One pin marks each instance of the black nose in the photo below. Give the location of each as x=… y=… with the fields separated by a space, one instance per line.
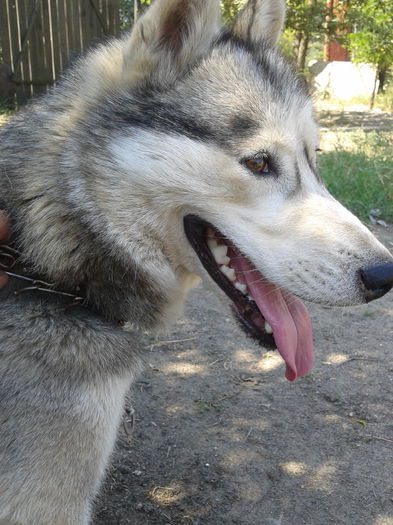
x=377 y=280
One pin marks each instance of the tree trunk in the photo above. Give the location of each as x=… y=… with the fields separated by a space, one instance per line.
x=374 y=91
x=302 y=53
x=304 y=39
x=382 y=74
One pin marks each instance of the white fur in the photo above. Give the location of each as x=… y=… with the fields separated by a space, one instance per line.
x=309 y=244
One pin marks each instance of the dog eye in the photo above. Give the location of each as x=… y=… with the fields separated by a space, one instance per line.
x=258 y=165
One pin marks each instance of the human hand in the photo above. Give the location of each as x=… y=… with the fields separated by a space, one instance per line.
x=4 y=238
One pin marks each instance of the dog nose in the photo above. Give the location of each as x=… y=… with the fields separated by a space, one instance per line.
x=377 y=280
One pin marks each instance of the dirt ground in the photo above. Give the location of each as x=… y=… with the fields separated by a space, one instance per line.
x=220 y=437
x=354 y=119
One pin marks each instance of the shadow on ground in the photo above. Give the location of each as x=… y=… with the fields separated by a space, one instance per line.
x=220 y=437
x=365 y=120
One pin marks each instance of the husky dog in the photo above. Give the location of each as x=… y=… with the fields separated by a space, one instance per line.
x=183 y=151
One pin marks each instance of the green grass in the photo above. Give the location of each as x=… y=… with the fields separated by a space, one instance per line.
x=6 y=110
x=357 y=168
x=7 y=106
x=384 y=101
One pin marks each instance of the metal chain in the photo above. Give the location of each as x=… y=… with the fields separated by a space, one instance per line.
x=8 y=259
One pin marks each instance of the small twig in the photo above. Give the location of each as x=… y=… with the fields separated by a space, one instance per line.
x=214 y=362
x=249 y=432
x=161 y=343
x=379 y=438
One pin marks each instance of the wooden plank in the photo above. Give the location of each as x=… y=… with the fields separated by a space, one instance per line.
x=64 y=16
x=95 y=25
x=58 y=31
x=39 y=47
x=85 y=23
x=54 y=32
x=109 y=17
x=73 y=28
x=19 y=65
x=5 y=34
x=99 y=8
x=38 y=57
x=15 y=45
x=47 y=42
x=70 y=27
x=27 y=15
x=13 y=34
x=42 y=57
x=113 y=17
x=22 y=60
x=79 y=26
x=105 y=15
x=117 y=17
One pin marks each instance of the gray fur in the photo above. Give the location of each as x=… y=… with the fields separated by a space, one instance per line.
x=97 y=177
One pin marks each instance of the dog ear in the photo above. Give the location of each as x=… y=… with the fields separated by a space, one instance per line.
x=260 y=20
x=168 y=39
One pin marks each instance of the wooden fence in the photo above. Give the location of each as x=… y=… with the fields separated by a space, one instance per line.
x=40 y=37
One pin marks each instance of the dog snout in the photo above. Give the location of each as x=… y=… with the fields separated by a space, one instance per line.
x=377 y=280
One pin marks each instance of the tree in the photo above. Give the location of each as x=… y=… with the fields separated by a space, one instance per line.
x=130 y=10
x=309 y=20
x=371 y=37
x=230 y=8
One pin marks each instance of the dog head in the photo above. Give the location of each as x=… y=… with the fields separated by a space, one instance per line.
x=213 y=152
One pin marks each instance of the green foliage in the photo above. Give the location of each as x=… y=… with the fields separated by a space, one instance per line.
x=308 y=21
x=371 y=39
x=384 y=100
x=306 y=16
x=287 y=44
x=314 y=18
x=127 y=12
x=230 y=8
x=358 y=172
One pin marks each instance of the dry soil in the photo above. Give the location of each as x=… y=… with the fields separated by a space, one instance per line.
x=215 y=435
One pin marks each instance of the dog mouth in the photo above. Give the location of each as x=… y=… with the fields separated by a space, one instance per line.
x=267 y=313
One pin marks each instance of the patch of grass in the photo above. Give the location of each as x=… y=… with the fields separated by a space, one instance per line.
x=357 y=168
x=384 y=100
x=6 y=109
x=7 y=106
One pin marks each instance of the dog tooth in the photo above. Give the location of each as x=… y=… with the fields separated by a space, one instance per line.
x=212 y=243
x=228 y=272
x=220 y=254
x=268 y=328
x=241 y=287
x=250 y=298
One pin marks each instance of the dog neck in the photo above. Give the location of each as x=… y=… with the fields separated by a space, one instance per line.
x=25 y=281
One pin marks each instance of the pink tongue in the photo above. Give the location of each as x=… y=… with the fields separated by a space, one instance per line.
x=287 y=316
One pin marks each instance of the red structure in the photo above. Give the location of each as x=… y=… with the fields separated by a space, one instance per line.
x=333 y=51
